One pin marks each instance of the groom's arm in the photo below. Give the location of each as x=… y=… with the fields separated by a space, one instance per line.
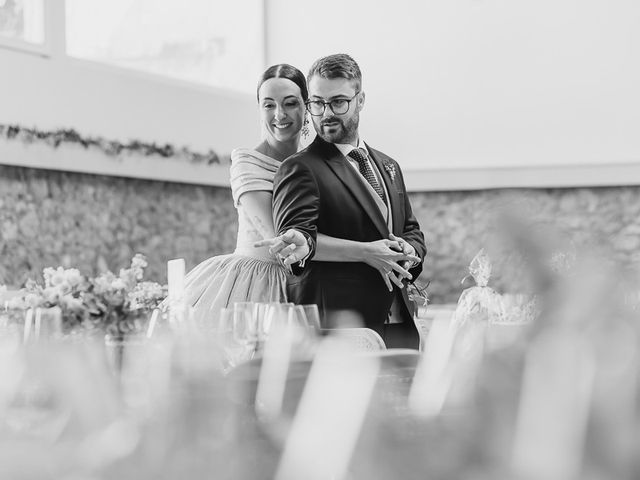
x=296 y=204
x=411 y=232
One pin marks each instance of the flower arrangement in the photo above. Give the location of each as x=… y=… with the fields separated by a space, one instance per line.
x=62 y=288
x=116 y=304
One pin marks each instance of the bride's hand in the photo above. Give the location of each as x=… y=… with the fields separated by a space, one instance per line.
x=290 y=247
x=387 y=257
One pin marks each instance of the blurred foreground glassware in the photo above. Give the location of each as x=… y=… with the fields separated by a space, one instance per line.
x=276 y=313
x=47 y=323
x=330 y=414
x=144 y=376
x=312 y=315
x=140 y=327
x=236 y=336
x=61 y=407
x=11 y=326
x=42 y=324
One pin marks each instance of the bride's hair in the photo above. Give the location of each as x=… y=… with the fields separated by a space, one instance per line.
x=284 y=70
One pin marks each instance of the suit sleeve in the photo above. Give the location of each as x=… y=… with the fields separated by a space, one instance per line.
x=411 y=231
x=296 y=203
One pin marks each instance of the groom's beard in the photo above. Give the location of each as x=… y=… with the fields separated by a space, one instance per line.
x=336 y=130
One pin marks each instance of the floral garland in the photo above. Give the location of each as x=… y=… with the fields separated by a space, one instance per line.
x=111 y=148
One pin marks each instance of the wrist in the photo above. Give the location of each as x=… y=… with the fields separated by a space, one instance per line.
x=361 y=251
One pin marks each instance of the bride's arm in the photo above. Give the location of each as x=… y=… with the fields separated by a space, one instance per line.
x=290 y=247
x=257 y=206
x=384 y=255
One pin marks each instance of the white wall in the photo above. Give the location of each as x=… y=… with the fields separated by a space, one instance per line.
x=466 y=93
x=482 y=83
x=50 y=94
x=57 y=92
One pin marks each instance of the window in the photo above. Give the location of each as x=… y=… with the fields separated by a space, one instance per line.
x=214 y=42
x=22 y=25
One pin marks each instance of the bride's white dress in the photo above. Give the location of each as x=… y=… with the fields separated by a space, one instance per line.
x=249 y=274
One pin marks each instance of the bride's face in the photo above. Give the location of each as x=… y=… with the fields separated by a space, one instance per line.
x=281 y=108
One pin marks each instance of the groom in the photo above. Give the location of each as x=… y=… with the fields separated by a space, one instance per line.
x=341 y=187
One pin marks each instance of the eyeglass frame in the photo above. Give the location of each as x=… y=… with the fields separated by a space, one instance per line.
x=324 y=105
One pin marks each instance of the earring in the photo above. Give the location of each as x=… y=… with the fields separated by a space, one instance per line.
x=305 y=127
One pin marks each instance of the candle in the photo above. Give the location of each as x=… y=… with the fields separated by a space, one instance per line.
x=175 y=280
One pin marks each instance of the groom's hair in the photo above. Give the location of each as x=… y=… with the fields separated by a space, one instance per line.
x=339 y=65
x=284 y=70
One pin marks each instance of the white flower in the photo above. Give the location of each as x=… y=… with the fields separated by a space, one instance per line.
x=73 y=277
x=51 y=294
x=71 y=303
x=139 y=261
x=138 y=264
x=17 y=303
x=32 y=300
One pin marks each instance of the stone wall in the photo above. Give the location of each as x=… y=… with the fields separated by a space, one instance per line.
x=50 y=218
x=92 y=222
x=599 y=221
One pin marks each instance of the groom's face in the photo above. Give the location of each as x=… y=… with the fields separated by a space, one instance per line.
x=332 y=127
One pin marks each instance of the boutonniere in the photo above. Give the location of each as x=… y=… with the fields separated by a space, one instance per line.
x=390 y=168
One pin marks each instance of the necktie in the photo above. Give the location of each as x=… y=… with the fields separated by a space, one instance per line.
x=360 y=156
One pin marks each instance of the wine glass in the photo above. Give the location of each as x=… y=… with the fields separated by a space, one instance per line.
x=235 y=336
x=276 y=314
x=313 y=316
x=301 y=321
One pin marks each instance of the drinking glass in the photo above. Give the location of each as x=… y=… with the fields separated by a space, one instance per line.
x=235 y=336
x=313 y=316
x=276 y=313
x=250 y=311
x=260 y=314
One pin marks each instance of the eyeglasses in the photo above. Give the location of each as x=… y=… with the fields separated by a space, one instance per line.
x=338 y=106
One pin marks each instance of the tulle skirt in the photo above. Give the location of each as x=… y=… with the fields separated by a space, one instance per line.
x=220 y=281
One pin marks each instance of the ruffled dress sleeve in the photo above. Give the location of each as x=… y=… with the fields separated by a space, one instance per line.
x=251 y=171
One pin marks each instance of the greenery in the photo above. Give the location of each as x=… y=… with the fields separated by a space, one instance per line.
x=111 y=148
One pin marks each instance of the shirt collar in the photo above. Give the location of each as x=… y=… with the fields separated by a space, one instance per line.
x=345 y=148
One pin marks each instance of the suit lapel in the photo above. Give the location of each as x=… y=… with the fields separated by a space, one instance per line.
x=394 y=198
x=349 y=177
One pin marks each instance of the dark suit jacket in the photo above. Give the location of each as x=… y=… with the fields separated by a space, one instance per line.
x=316 y=190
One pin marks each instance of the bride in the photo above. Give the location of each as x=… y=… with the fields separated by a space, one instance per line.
x=250 y=273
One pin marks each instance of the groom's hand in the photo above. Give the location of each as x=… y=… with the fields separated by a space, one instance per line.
x=407 y=249
x=387 y=257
